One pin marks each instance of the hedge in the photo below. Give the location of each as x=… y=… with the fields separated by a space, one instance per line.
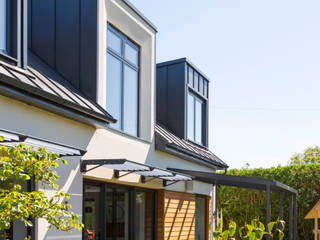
x=242 y=205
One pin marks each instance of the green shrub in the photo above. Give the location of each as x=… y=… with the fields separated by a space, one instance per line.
x=254 y=231
x=242 y=205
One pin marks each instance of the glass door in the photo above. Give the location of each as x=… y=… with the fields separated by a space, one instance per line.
x=117 y=214
x=92 y=207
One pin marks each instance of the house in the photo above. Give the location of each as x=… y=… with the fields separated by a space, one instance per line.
x=80 y=77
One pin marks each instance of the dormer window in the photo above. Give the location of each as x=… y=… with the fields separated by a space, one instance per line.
x=196 y=106
x=3 y=26
x=123 y=81
x=182 y=100
x=11 y=37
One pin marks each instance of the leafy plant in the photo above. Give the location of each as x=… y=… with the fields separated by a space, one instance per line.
x=254 y=231
x=228 y=234
x=21 y=164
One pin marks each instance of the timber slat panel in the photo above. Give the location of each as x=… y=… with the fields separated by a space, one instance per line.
x=179 y=216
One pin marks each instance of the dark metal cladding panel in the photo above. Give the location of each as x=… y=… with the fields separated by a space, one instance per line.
x=176 y=99
x=88 y=47
x=43 y=30
x=67 y=40
x=162 y=95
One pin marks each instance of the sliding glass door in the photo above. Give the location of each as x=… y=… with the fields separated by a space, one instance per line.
x=116 y=212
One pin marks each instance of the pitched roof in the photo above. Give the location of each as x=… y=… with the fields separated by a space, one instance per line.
x=166 y=141
x=40 y=81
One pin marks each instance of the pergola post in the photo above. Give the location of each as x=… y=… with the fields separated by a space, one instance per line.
x=268 y=216
x=294 y=196
x=281 y=206
x=291 y=217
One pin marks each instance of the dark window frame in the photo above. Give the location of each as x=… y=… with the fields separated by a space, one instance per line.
x=132 y=196
x=15 y=27
x=126 y=62
x=204 y=120
x=205 y=214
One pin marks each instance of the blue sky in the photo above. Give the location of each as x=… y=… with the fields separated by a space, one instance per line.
x=263 y=59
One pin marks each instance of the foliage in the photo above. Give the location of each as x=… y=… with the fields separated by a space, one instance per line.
x=245 y=204
x=21 y=164
x=254 y=231
x=310 y=155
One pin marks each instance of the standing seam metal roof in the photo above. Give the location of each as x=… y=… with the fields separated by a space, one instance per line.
x=187 y=147
x=40 y=80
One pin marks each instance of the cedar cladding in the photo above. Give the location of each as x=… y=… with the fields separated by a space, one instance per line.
x=176 y=216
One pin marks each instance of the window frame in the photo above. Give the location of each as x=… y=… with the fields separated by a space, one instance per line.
x=125 y=62
x=132 y=198
x=16 y=33
x=204 y=114
x=205 y=215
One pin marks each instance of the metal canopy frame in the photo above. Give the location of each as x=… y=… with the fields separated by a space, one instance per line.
x=128 y=167
x=267 y=185
x=12 y=138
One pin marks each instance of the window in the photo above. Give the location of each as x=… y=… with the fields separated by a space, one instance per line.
x=190 y=76
x=3 y=26
x=123 y=81
x=200 y=218
x=194 y=118
x=109 y=210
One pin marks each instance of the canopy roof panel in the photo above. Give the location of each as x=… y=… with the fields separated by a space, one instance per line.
x=237 y=181
x=11 y=139
x=124 y=165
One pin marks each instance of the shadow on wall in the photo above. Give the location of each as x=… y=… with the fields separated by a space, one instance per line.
x=179 y=218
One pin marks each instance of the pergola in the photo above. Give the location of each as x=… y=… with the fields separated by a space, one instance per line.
x=267 y=185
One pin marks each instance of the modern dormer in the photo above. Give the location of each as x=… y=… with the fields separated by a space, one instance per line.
x=182 y=100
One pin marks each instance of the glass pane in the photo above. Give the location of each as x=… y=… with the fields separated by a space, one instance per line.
x=114 y=42
x=195 y=79
x=200 y=218
x=190 y=76
x=109 y=212
x=140 y=215
x=198 y=137
x=114 y=89
x=201 y=84
x=122 y=215
x=205 y=88
x=130 y=101
x=131 y=54
x=92 y=208
x=190 y=120
x=3 y=25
